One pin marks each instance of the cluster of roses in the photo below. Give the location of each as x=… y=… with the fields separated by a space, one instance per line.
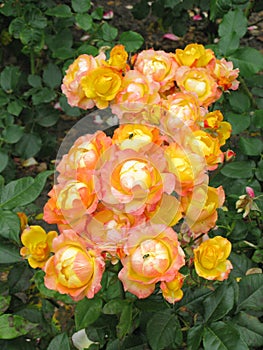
x=118 y=198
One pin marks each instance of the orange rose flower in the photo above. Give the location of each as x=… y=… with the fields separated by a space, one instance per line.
x=210 y=259
x=172 y=291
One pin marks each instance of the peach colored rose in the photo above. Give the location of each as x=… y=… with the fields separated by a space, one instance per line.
x=200 y=82
x=37 y=245
x=200 y=208
x=71 y=83
x=184 y=106
x=226 y=75
x=84 y=154
x=158 y=66
x=101 y=85
x=153 y=254
x=136 y=94
x=210 y=259
x=172 y=291
x=195 y=55
x=76 y=268
x=130 y=180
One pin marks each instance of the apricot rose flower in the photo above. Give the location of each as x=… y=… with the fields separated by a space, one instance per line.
x=76 y=268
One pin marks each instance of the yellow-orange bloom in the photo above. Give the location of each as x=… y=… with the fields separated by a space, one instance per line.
x=172 y=291
x=208 y=147
x=200 y=82
x=136 y=136
x=75 y=269
x=37 y=245
x=101 y=85
x=201 y=206
x=23 y=220
x=194 y=55
x=118 y=58
x=214 y=122
x=210 y=259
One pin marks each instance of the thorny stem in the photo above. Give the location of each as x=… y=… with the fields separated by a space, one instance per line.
x=249 y=8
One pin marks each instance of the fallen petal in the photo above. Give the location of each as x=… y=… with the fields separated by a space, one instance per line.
x=171 y=36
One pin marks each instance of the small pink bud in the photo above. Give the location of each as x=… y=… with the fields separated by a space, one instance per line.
x=171 y=36
x=197 y=18
x=108 y=15
x=250 y=192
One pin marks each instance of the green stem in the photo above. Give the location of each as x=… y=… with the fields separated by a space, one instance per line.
x=251 y=97
x=249 y=8
x=32 y=62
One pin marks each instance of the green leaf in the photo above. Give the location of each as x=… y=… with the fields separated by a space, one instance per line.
x=109 y=33
x=80 y=6
x=29 y=145
x=61 y=11
x=250 y=293
x=161 y=329
x=222 y=336
x=4 y=303
x=259 y=170
x=9 y=254
x=9 y=225
x=84 y=21
x=239 y=101
x=125 y=323
x=131 y=40
x=193 y=299
x=23 y=191
x=87 y=311
x=35 y=81
x=46 y=115
x=52 y=76
x=15 y=107
x=194 y=337
x=250 y=328
x=238 y=122
x=44 y=95
x=250 y=146
x=13 y=326
x=3 y=160
x=9 y=78
x=258 y=118
x=114 y=306
x=248 y=60
x=61 y=341
x=238 y=170
x=13 y=133
x=22 y=283
x=241 y=264
x=231 y=29
x=219 y=303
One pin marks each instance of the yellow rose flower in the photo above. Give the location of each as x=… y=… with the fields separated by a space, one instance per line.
x=101 y=85
x=118 y=58
x=172 y=291
x=37 y=245
x=210 y=259
x=214 y=123
x=194 y=55
x=208 y=147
